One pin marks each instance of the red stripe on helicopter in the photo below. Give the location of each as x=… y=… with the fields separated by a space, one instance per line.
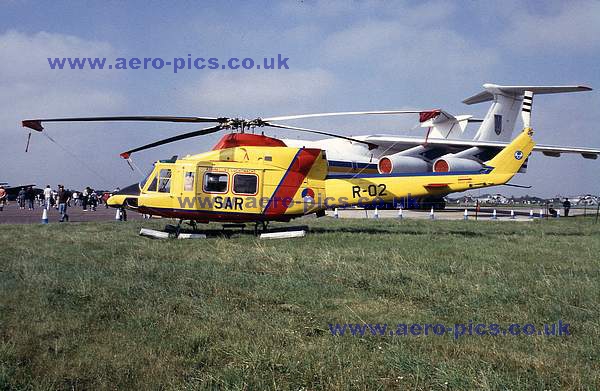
x=291 y=181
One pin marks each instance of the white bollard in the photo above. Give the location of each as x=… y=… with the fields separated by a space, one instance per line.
x=118 y=214
x=531 y=213
x=512 y=214
x=431 y=215
x=44 y=216
x=541 y=213
x=400 y=213
x=376 y=214
x=466 y=215
x=494 y=215
x=336 y=213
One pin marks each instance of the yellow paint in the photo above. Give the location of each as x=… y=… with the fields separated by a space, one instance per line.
x=270 y=164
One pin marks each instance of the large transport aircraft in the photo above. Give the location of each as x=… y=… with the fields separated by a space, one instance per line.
x=441 y=149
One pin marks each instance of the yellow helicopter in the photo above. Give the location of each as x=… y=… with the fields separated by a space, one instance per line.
x=253 y=178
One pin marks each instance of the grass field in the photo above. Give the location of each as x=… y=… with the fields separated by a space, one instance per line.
x=94 y=306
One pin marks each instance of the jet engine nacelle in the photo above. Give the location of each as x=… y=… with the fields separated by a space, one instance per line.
x=451 y=163
x=398 y=163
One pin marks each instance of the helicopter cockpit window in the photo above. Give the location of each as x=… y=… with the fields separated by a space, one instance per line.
x=245 y=184
x=215 y=182
x=152 y=186
x=164 y=181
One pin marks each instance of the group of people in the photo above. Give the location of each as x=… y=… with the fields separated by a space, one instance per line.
x=26 y=196
x=63 y=198
x=59 y=198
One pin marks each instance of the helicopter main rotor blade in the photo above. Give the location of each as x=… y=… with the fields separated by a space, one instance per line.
x=341 y=113
x=370 y=145
x=201 y=132
x=36 y=124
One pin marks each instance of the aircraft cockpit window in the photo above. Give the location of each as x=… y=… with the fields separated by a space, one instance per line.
x=152 y=186
x=245 y=184
x=215 y=182
x=164 y=181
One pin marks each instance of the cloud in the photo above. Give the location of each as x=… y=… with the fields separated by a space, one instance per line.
x=420 y=61
x=25 y=56
x=573 y=28
x=391 y=44
x=28 y=84
x=252 y=92
x=29 y=89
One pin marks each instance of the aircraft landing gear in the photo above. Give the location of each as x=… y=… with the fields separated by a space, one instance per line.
x=260 y=226
x=174 y=230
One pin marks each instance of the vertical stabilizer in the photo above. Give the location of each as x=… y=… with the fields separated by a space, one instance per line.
x=499 y=122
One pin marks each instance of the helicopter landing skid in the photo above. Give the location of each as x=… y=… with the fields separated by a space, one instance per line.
x=260 y=231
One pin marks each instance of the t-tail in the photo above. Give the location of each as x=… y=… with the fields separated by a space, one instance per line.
x=510 y=160
x=499 y=122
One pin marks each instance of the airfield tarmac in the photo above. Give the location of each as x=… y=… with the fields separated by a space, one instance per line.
x=13 y=215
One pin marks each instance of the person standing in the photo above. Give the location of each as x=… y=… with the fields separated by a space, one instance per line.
x=75 y=198
x=2 y=198
x=93 y=200
x=63 y=201
x=30 y=195
x=84 y=199
x=567 y=207
x=47 y=197
x=21 y=198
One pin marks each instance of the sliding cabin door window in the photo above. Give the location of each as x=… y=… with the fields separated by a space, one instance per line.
x=215 y=182
x=246 y=184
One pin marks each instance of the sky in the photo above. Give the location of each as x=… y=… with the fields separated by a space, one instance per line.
x=343 y=56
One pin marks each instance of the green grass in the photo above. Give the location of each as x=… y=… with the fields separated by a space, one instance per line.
x=94 y=306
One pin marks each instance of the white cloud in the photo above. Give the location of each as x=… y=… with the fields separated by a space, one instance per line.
x=30 y=89
x=28 y=84
x=419 y=59
x=573 y=28
x=252 y=92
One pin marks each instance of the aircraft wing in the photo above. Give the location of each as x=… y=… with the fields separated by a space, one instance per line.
x=400 y=143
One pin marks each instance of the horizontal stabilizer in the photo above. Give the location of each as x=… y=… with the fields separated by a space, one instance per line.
x=495 y=89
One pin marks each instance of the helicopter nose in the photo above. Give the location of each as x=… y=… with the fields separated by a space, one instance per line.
x=127 y=196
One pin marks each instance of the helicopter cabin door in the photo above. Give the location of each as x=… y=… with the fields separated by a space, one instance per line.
x=230 y=190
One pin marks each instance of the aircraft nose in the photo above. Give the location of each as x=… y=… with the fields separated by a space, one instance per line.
x=127 y=196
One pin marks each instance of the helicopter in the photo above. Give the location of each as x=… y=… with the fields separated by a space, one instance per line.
x=253 y=178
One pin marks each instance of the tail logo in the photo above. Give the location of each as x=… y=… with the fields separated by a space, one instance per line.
x=518 y=155
x=497 y=124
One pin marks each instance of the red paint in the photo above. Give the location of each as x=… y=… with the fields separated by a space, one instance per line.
x=232 y=140
x=291 y=181
x=33 y=124
x=427 y=115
